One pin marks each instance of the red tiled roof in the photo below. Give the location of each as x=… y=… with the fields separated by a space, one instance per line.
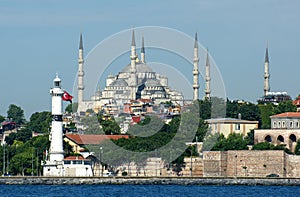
x=287 y=114
x=75 y=158
x=297 y=101
x=93 y=139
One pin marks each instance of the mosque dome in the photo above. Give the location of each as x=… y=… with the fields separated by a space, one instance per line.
x=140 y=68
x=152 y=83
x=119 y=82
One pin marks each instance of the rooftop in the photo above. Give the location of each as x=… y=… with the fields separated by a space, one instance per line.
x=93 y=139
x=231 y=120
x=287 y=114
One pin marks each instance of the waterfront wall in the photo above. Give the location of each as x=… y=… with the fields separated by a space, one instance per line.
x=246 y=163
x=146 y=181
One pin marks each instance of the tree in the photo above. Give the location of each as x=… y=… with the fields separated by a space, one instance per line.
x=248 y=111
x=2 y=118
x=269 y=146
x=266 y=110
x=218 y=107
x=92 y=125
x=285 y=106
x=297 y=148
x=71 y=108
x=16 y=114
x=205 y=109
x=22 y=135
x=234 y=141
x=109 y=126
x=40 y=122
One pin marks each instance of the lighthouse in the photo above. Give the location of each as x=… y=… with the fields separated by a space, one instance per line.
x=56 y=135
x=54 y=164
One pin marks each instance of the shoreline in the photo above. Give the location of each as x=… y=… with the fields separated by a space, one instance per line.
x=148 y=181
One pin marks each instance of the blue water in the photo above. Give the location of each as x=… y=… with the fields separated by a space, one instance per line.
x=146 y=190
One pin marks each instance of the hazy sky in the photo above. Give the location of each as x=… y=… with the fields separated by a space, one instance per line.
x=40 y=38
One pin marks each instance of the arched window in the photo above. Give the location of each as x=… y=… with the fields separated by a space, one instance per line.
x=293 y=138
x=280 y=139
x=268 y=138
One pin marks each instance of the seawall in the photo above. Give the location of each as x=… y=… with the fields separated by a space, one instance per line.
x=147 y=181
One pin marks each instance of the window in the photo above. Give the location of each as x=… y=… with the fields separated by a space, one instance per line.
x=297 y=124
x=237 y=126
x=283 y=124
x=291 y=124
x=274 y=124
x=77 y=162
x=67 y=162
x=279 y=124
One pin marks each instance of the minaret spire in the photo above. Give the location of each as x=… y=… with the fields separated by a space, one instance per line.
x=132 y=82
x=266 y=75
x=80 y=84
x=195 y=70
x=143 y=51
x=80 y=42
x=207 y=76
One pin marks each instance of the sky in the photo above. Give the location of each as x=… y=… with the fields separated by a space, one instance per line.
x=40 y=38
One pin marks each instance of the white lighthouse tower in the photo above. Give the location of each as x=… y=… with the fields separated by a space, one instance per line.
x=54 y=164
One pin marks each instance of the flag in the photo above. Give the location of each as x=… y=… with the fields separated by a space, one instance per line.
x=67 y=96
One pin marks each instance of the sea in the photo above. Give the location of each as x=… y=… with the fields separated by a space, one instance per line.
x=146 y=190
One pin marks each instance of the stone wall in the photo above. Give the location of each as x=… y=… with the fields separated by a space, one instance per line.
x=193 y=167
x=243 y=163
x=214 y=164
x=292 y=165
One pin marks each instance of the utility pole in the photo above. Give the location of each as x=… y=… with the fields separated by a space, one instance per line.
x=32 y=163
x=3 y=158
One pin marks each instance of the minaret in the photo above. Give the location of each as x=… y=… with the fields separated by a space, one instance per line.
x=80 y=83
x=143 y=51
x=133 y=77
x=133 y=53
x=56 y=136
x=267 y=75
x=196 y=71
x=207 y=77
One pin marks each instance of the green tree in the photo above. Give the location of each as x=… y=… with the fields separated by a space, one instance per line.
x=22 y=135
x=205 y=109
x=285 y=106
x=297 y=148
x=248 y=111
x=40 y=122
x=2 y=118
x=92 y=125
x=234 y=141
x=218 y=107
x=109 y=126
x=71 y=108
x=269 y=146
x=266 y=110
x=16 y=113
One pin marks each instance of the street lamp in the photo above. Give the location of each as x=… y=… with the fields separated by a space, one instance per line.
x=191 y=163
x=100 y=159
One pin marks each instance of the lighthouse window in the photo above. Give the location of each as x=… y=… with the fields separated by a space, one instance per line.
x=56 y=83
